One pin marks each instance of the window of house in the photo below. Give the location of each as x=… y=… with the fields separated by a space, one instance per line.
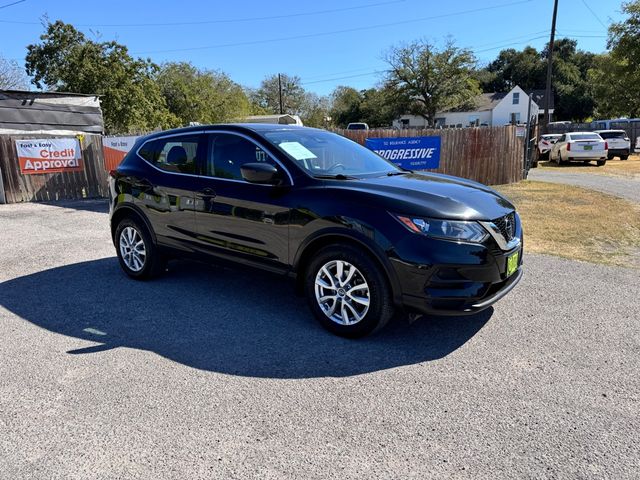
x=175 y=154
x=474 y=120
x=516 y=98
x=514 y=117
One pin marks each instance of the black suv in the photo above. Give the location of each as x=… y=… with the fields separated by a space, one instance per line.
x=361 y=236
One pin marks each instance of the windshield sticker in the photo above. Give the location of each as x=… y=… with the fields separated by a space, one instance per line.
x=297 y=150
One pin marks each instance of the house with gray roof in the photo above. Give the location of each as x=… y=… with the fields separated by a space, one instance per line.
x=490 y=109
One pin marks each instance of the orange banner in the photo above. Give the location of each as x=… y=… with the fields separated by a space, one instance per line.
x=115 y=149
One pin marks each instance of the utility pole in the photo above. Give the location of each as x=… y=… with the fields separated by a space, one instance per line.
x=547 y=95
x=280 y=93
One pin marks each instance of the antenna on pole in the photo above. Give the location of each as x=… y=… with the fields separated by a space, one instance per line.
x=547 y=95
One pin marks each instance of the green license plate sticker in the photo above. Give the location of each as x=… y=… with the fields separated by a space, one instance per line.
x=512 y=263
x=588 y=147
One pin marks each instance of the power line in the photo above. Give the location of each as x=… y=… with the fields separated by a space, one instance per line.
x=343 y=78
x=334 y=32
x=321 y=75
x=510 y=44
x=383 y=71
x=594 y=14
x=219 y=21
x=14 y=3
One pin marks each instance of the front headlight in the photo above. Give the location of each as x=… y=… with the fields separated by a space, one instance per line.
x=446 y=229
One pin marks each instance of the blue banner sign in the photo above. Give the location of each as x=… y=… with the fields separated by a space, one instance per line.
x=413 y=153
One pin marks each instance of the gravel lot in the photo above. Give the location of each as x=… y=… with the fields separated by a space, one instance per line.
x=217 y=373
x=627 y=188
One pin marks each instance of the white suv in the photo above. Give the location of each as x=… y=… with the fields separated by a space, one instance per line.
x=619 y=143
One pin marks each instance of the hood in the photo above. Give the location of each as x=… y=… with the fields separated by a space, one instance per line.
x=435 y=196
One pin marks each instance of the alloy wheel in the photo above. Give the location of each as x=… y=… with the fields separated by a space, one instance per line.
x=342 y=292
x=132 y=249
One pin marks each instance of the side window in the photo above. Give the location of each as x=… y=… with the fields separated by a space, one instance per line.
x=228 y=152
x=516 y=98
x=173 y=154
x=563 y=138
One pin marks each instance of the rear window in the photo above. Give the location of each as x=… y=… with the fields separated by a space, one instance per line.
x=175 y=154
x=356 y=126
x=550 y=137
x=585 y=136
x=607 y=135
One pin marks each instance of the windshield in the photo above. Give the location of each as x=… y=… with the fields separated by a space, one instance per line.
x=585 y=136
x=324 y=153
x=356 y=126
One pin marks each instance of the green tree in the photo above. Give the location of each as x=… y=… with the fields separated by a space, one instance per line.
x=380 y=106
x=524 y=68
x=430 y=80
x=615 y=77
x=267 y=97
x=346 y=106
x=527 y=68
x=65 y=60
x=203 y=96
x=315 y=110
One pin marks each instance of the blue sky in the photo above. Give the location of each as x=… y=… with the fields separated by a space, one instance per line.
x=327 y=43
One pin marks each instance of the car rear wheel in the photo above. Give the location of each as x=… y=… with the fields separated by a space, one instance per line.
x=348 y=292
x=137 y=254
x=624 y=157
x=586 y=162
x=601 y=163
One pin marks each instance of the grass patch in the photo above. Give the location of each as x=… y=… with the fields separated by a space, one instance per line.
x=577 y=223
x=618 y=168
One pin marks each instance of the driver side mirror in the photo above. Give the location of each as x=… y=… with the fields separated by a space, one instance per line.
x=261 y=173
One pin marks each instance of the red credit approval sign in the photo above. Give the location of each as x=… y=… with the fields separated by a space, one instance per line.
x=52 y=155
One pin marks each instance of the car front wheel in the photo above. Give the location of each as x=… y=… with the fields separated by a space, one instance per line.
x=348 y=292
x=137 y=254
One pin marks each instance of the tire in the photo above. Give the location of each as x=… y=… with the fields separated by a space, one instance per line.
x=560 y=161
x=609 y=157
x=624 y=157
x=586 y=162
x=377 y=293
x=534 y=164
x=601 y=163
x=148 y=262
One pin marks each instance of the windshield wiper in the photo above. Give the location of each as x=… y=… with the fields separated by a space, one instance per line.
x=337 y=176
x=404 y=172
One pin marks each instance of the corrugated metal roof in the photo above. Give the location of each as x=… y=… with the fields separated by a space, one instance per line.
x=27 y=111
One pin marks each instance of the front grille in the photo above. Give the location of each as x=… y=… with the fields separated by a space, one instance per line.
x=507 y=226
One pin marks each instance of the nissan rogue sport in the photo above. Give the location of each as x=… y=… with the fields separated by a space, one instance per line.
x=361 y=236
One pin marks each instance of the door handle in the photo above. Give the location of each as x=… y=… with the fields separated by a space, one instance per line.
x=206 y=192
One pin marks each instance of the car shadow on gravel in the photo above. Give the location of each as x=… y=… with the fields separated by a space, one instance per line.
x=237 y=322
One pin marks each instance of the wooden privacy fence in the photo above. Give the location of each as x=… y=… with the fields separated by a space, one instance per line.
x=90 y=182
x=490 y=155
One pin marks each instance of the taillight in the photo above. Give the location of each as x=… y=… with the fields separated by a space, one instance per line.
x=606 y=145
x=113 y=173
x=568 y=146
x=544 y=142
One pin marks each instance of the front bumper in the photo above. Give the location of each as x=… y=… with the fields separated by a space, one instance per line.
x=464 y=280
